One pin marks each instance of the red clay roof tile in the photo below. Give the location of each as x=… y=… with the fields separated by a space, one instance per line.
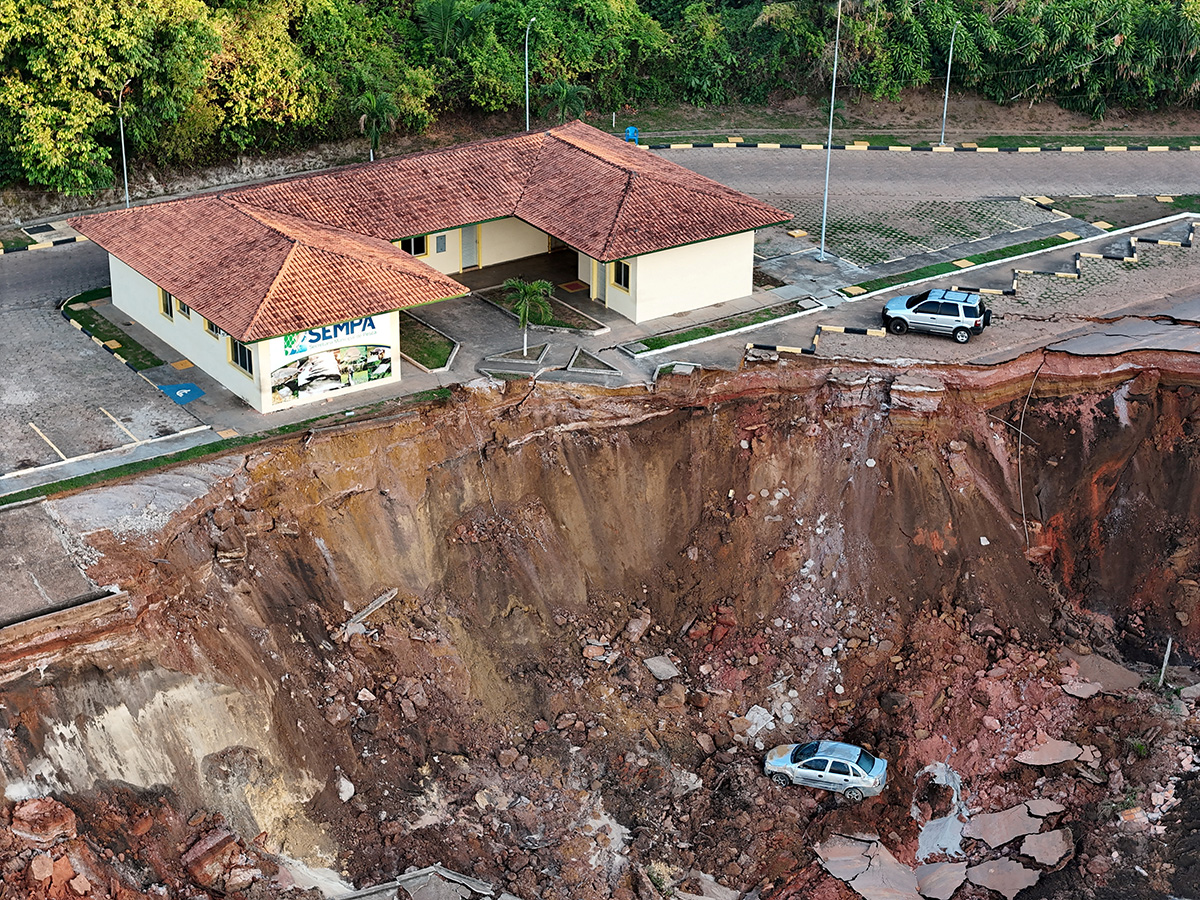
x=312 y=249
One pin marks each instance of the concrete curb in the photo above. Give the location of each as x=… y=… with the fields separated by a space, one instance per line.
x=627 y=347
x=907 y=148
x=811 y=349
x=46 y=245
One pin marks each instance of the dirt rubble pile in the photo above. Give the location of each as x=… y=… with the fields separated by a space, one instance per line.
x=542 y=637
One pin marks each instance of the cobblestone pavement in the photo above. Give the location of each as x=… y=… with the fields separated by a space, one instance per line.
x=55 y=377
x=869 y=231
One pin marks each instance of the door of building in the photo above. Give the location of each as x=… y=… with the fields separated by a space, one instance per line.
x=600 y=281
x=470 y=247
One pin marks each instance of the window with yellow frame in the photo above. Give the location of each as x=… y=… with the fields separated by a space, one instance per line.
x=620 y=275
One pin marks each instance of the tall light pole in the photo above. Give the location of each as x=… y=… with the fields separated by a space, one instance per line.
x=837 y=34
x=121 y=119
x=946 y=98
x=527 y=27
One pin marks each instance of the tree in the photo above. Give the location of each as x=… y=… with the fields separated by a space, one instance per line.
x=378 y=116
x=449 y=25
x=531 y=302
x=563 y=101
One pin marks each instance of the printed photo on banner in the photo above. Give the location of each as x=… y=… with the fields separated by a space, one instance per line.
x=330 y=370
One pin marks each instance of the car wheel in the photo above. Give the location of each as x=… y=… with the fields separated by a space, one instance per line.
x=962 y=335
x=780 y=779
x=854 y=795
x=897 y=326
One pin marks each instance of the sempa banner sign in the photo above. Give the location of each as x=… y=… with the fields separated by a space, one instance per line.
x=356 y=331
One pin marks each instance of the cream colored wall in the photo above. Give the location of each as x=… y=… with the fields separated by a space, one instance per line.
x=507 y=239
x=585 y=269
x=686 y=278
x=137 y=297
x=617 y=298
x=447 y=262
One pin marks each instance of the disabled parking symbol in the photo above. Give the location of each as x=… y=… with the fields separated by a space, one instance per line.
x=181 y=393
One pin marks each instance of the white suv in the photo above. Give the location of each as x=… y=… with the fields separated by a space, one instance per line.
x=957 y=313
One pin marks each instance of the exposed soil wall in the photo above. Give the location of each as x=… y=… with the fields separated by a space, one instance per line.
x=824 y=543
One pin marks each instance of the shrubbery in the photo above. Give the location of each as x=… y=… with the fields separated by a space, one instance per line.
x=209 y=79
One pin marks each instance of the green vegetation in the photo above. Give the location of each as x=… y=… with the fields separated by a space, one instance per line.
x=560 y=315
x=198 y=81
x=422 y=344
x=104 y=330
x=719 y=326
x=13 y=239
x=528 y=301
x=945 y=268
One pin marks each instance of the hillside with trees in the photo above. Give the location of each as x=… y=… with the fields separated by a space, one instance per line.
x=197 y=82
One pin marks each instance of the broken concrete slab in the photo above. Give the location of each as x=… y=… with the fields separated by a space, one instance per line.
x=1192 y=692
x=661 y=667
x=942 y=834
x=1005 y=876
x=1112 y=677
x=1050 y=753
x=868 y=868
x=1048 y=848
x=1082 y=689
x=997 y=829
x=939 y=881
x=1041 y=808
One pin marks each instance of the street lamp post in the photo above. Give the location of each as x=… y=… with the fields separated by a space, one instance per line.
x=125 y=169
x=837 y=34
x=946 y=98
x=527 y=27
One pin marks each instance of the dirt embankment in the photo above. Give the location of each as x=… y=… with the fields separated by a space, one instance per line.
x=843 y=549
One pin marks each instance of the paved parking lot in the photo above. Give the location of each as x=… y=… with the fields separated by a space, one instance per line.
x=58 y=389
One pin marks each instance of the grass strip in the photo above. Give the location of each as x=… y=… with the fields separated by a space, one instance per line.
x=216 y=448
x=103 y=330
x=718 y=326
x=931 y=271
x=423 y=344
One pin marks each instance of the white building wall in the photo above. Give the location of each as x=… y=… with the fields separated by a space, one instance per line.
x=686 y=278
x=508 y=239
x=138 y=297
x=447 y=261
x=616 y=297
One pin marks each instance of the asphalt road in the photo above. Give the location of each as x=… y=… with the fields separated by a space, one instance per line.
x=943 y=176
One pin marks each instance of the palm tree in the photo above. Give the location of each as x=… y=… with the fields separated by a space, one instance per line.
x=379 y=114
x=564 y=101
x=450 y=24
x=530 y=301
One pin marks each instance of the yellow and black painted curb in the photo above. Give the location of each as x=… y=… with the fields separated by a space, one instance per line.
x=906 y=148
x=95 y=340
x=45 y=245
x=1129 y=256
x=812 y=348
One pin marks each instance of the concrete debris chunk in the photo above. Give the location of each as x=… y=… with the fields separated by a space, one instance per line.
x=868 y=868
x=709 y=889
x=997 y=829
x=759 y=719
x=1048 y=848
x=1050 y=753
x=638 y=626
x=1082 y=689
x=939 y=881
x=1192 y=692
x=1041 y=808
x=345 y=788
x=1112 y=678
x=662 y=668
x=1004 y=876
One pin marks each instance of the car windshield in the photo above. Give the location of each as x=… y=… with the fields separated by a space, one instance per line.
x=915 y=299
x=804 y=751
x=865 y=761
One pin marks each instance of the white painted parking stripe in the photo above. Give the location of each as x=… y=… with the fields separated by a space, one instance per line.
x=61 y=455
x=117 y=422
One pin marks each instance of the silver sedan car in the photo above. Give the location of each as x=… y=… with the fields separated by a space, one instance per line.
x=849 y=770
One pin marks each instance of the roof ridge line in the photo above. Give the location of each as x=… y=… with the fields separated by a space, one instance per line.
x=287 y=261
x=629 y=176
x=529 y=176
x=593 y=154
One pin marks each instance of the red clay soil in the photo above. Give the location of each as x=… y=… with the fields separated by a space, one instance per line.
x=842 y=551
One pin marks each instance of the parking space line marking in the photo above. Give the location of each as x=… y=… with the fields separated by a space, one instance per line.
x=116 y=422
x=61 y=455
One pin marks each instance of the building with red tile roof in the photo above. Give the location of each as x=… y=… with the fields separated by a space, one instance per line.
x=272 y=271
